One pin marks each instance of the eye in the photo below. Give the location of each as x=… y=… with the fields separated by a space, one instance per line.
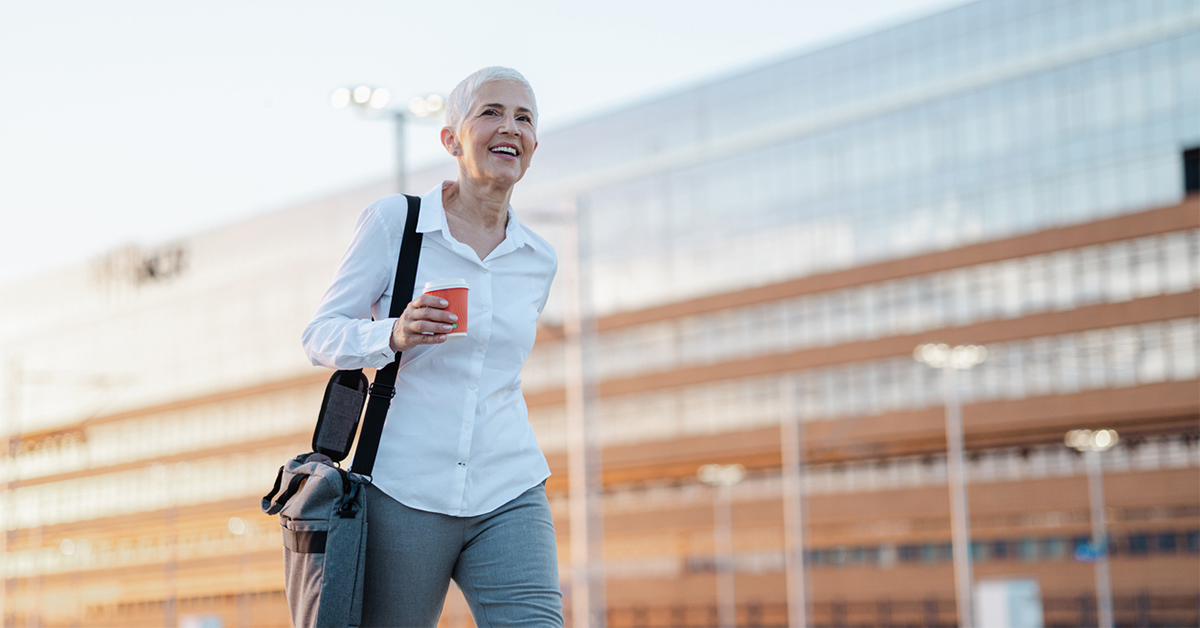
x=489 y=112
x=524 y=118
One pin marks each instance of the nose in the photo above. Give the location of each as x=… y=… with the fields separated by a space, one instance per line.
x=510 y=125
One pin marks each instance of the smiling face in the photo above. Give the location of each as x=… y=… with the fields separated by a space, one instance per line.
x=496 y=138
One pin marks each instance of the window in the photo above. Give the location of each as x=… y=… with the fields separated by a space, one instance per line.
x=1167 y=543
x=1028 y=549
x=1052 y=548
x=1139 y=544
x=1193 y=541
x=1191 y=170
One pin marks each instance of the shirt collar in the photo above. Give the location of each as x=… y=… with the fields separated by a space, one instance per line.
x=433 y=218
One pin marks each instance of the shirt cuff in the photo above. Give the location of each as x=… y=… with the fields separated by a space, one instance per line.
x=376 y=341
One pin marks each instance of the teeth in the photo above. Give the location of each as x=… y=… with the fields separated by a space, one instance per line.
x=507 y=150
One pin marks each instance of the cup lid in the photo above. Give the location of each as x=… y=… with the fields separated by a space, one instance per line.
x=442 y=284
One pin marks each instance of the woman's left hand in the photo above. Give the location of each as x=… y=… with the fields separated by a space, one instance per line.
x=425 y=321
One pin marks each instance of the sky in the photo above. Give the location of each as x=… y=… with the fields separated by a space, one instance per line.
x=137 y=122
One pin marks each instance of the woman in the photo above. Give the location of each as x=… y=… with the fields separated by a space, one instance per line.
x=458 y=487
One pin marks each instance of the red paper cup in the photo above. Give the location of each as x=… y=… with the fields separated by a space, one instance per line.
x=454 y=291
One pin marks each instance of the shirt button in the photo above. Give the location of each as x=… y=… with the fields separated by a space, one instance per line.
x=482 y=348
x=485 y=308
x=462 y=464
x=473 y=387
x=486 y=271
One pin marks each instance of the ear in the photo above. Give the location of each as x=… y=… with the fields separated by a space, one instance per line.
x=450 y=141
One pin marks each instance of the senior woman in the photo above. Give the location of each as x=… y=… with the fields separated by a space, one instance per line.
x=458 y=487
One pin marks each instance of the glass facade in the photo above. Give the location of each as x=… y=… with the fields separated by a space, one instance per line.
x=995 y=118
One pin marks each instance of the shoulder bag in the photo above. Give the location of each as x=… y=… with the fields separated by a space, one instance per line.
x=322 y=507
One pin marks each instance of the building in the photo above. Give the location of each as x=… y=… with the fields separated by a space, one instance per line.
x=1010 y=173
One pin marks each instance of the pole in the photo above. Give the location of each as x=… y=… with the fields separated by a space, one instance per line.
x=10 y=430
x=792 y=438
x=960 y=527
x=583 y=451
x=1099 y=537
x=401 y=169
x=723 y=541
x=171 y=566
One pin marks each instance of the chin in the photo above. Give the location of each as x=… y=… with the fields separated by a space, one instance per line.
x=504 y=178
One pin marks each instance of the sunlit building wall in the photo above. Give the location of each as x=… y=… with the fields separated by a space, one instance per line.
x=1006 y=173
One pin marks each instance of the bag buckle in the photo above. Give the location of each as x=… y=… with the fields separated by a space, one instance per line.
x=385 y=392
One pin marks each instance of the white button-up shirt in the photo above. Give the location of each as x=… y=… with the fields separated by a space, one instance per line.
x=457 y=439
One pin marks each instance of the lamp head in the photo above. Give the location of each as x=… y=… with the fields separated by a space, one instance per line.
x=721 y=474
x=1088 y=440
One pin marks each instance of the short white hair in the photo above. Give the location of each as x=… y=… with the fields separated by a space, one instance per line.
x=463 y=97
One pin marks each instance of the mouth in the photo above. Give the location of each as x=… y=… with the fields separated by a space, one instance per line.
x=508 y=150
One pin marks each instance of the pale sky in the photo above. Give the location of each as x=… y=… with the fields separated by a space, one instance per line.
x=135 y=122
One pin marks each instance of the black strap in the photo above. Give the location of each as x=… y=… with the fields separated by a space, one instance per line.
x=384 y=389
x=293 y=487
x=266 y=500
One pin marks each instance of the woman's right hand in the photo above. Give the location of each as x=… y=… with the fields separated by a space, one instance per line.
x=425 y=321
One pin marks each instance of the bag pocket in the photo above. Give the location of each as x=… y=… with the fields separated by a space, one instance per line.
x=304 y=564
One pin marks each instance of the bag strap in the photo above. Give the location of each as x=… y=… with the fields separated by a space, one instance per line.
x=384 y=388
x=293 y=487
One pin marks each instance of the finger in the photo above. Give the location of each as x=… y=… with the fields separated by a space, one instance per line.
x=421 y=339
x=430 y=327
x=441 y=316
x=432 y=314
x=426 y=339
x=429 y=300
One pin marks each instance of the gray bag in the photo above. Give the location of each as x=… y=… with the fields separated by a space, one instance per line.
x=322 y=508
x=323 y=516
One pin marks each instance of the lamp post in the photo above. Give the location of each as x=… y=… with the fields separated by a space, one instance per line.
x=792 y=446
x=950 y=360
x=1092 y=444
x=15 y=377
x=371 y=100
x=584 y=460
x=10 y=436
x=723 y=477
x=584 y=482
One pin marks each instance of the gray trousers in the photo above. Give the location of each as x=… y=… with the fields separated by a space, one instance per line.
x=505 y=562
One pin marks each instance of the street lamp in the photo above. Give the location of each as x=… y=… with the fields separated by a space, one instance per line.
x=723 y=477
x=372 y=100
x=13 y=380
x=792 y=449
x=951 y=360
x=1092 y=444
x=584 y=459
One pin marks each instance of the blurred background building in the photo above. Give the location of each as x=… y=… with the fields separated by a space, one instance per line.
x=762 y=248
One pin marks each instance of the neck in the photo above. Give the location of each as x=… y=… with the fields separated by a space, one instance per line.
x=481 y=205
